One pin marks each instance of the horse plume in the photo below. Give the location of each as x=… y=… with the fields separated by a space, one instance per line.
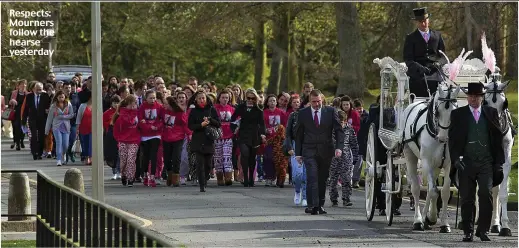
x=456 y=65
x=488 y=55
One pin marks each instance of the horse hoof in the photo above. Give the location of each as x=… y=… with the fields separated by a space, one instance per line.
x=505 y=232
x=445 y=229
x=418 y=227
x=495 y=229
x=429 y=222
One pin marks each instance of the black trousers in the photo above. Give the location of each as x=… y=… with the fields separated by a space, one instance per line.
x=172 y=155
x=18 y=135
x=317 y=172
x=138 y=163
x=234 y=156
x=203 y=163
x=37 y=138
x=476 y=175
x=150 y=150
x=419 y=87
x=248 y=163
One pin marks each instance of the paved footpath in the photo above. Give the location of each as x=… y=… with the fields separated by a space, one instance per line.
x=254 y=217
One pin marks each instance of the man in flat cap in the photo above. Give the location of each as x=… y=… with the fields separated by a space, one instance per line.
x=421 y=55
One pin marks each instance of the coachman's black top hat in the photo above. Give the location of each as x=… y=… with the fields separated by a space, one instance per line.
x=420 y=14
x=475 y=89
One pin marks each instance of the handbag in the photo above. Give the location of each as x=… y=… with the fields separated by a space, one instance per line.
x=76 y=148
x=8 y=114
x=213 y=133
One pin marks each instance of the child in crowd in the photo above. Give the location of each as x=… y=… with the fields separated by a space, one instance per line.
x=342 y=167
x=111 y=150
x=126 y=132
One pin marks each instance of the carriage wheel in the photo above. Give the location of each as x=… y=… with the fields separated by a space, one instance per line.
x=370 y=172
x=390 y=185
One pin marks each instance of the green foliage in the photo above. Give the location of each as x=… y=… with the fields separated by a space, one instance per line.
x=18 y=243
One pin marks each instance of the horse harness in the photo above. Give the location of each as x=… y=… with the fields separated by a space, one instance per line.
x=432 y=114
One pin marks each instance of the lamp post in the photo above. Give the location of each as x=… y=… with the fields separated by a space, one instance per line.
x=98 y=192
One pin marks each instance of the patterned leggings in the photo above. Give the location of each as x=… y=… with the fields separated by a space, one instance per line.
x=223 y=155
x=192 y=163
x=127 y=157
x=341 y=169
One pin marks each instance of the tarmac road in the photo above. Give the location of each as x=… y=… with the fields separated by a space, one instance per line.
x=255 y=217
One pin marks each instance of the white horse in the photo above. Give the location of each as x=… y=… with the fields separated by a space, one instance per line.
x=495 y=97
x=425 y=133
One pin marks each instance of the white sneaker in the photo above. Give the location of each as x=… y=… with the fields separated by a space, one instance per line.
x=58 y=163
x=304 y=204
x=157 y=181
x=118 y=175
x=114 y=177
x=297 y=198
x=182 y=181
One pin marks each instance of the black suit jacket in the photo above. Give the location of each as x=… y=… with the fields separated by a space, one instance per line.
x=312 y=140
x=418 y=53
x=36 y=115
x=458 y=133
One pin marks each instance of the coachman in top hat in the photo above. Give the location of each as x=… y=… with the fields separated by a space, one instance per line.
x=421 y=55
x=477 y=155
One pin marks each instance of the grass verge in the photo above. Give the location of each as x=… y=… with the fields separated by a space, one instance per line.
x=19 y=243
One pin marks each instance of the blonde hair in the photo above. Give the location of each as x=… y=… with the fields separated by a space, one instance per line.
x=254 y=92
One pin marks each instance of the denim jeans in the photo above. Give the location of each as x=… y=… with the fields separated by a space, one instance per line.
x=298 y=176
x=61 y=143
x=86 y=145
x=259 y=162
x=357 y=169
x=72 y=137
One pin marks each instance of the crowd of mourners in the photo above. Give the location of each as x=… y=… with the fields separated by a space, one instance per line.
x=184 y=134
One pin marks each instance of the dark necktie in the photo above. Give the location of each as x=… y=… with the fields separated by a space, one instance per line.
x=140 y=101
x=37 y=101
x=316 y=119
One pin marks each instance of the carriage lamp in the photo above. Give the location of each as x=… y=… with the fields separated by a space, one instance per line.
x=385 y=77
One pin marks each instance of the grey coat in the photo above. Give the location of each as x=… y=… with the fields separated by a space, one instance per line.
x=56 y=117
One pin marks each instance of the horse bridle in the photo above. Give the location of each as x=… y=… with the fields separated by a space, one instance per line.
x=447 y=100
x=494 y=92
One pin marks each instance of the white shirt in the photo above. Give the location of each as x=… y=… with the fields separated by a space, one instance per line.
x=472 y=111
x=37 y=100
x=318 y=114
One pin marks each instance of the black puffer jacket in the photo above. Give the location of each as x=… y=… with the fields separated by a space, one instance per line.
x=252 y=125
x=200 y=142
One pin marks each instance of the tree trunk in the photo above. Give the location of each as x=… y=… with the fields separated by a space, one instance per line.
x=302 y=65
x=405 y=25
x=260 y=55
x=468 y=26
x=276 y=62
x=511 y=42
x=351 y=75
x=293 y=72
x=285 y=46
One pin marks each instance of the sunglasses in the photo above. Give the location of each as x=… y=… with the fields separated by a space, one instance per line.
x=251 y=98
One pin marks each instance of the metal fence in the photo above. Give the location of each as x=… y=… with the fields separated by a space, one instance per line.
x=68 y=218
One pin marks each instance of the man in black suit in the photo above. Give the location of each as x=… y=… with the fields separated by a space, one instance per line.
x=421 y=55
x=315 y=147
x=475 y=146
x=37 y=106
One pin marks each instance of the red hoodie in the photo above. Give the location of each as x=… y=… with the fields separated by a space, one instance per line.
x=272 y=119
x=175 y=126
x=354 y=120
x=125 y=127
x=225 y=113
x=153 y=116
x=107 y=117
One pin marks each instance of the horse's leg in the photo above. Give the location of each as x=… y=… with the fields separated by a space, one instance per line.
x=503 y=191
x=412 y=177
x=432 y=192
x=495 y=209
x=445 y=194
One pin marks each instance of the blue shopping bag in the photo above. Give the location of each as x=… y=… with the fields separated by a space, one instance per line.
x=297 y=168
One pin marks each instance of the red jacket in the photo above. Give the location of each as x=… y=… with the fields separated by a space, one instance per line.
x=107 y=117
x=225 y=113
x=175 y=126
x=272 y=119
x=151 y=115
x=354 y=120
x=125 y=127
